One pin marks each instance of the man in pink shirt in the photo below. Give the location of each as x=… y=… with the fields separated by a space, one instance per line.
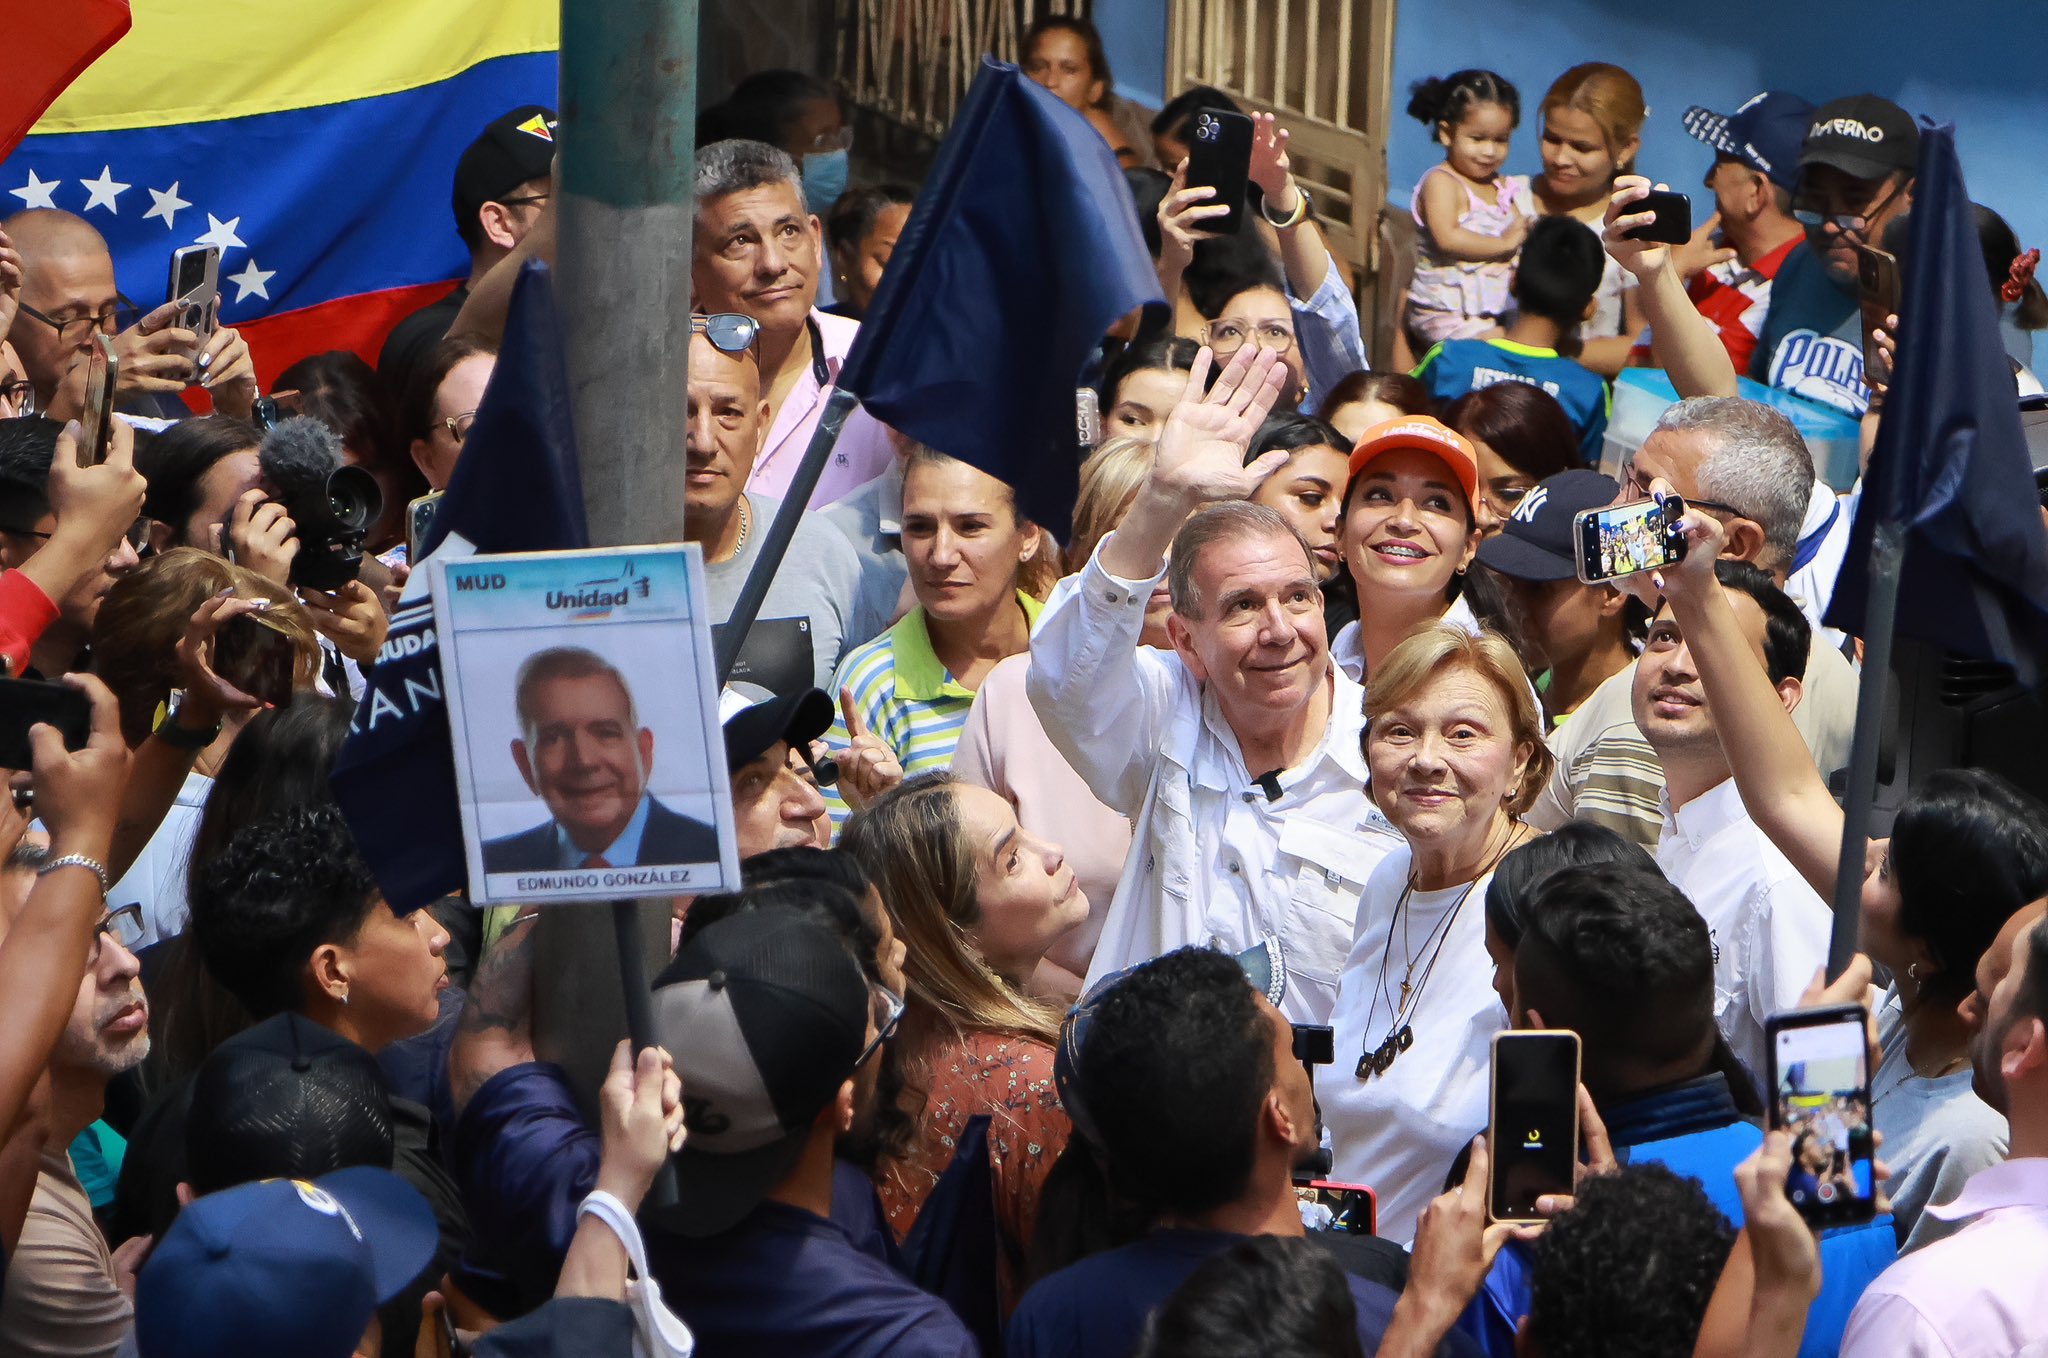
x=757 y=252
x=1984 y=1290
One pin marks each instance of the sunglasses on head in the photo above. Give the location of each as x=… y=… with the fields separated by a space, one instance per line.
x=728 y=331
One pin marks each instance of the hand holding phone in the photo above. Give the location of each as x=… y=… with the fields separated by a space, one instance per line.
x=1533 y=1132
x=1220 y=159
x=1877 y=301
x=1819 y=1082
x=1672 y=218
x=1627 y=539
x=27 y=702
x=194 y=291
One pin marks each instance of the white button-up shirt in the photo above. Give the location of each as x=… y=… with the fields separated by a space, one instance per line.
x=1770 y=930
x=1213 y=861
x=1977 y=1294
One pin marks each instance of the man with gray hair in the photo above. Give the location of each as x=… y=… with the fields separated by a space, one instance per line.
x=1237 y=756
x=582 y=750
x=1744 y=463
x=758 y=252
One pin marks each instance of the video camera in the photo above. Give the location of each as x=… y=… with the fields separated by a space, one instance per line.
x=332 y=505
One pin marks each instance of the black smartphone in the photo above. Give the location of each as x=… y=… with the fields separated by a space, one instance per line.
x=25 y=702
x=1534 y=1127
x=1642 y=535
x=1220 y=157
x=1674 y=218
x=1315 y=1044
x=195 y=290
x=1334 y=1206
x=1819 y=1079
x=1877 y=297
x=256 y=658
x=102 y=373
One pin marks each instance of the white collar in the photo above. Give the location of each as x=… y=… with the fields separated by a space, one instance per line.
x=2014 y=1183
x=1705 y=816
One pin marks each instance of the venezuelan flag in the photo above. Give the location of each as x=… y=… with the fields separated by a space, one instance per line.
x=314 y=141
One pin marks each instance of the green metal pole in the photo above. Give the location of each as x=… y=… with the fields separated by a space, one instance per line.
x=627 y=147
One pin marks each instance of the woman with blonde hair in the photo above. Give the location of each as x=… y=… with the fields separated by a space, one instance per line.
x=977 y=899
x=1591 y=128
x=1454 y=744
x=227 y=642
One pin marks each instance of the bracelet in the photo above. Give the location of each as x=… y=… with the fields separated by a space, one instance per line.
x=1292 y=219
x=184 y=737
x=77 y=860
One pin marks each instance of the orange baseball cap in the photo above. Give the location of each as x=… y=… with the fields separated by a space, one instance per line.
x=1425 y=435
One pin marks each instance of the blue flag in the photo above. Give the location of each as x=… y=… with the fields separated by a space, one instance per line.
x=1951 y=464
x=515 y=489
x=1022 y=250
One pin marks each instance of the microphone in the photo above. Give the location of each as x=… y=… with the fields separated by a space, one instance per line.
x=1269 y=783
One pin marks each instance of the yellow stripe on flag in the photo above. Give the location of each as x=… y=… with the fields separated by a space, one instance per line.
x=189 y=61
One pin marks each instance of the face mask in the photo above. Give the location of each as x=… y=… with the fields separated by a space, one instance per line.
x=824 y=177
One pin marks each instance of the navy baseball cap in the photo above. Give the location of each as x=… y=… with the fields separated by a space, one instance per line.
x=1536 y=541
x=1764 y=134
x=515 y=148
x=283 y=1266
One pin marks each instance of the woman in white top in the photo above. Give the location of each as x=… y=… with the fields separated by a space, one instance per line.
x=1454 y=741
x=1407 y=534
x=1968 y=851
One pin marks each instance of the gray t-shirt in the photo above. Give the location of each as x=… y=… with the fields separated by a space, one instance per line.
x=809 y=608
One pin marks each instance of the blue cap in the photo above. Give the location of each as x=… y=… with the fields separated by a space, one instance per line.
x=283 y=1266
x=1764 y=134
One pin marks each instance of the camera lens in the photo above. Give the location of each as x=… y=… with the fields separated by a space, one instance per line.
x=353 y=499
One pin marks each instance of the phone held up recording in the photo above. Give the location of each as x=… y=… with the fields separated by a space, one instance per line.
x=1877 y=299
x=1673 y=213
x=1533 y=1132
x=102 y=373
x=1627 y=539
x=1819 y=1090
x=1220 y=158
x=26 y=702
x=194 y=290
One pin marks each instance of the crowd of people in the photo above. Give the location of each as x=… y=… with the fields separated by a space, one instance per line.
x=1059 y=860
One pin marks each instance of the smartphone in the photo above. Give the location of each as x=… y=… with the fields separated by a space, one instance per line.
x=419 y=517
x=1819 y=1078
x=102 y=373
x=1619 y=540
x=195 y=291
x=1220 y=157
x=1315 y=1044
x=256 y=658
x=1877 y=297
x=1334 y=1206
x=25 y=702
x=1674 y=218
x=1534 y=1127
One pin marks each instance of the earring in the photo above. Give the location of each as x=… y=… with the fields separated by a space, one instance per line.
x=344 y=997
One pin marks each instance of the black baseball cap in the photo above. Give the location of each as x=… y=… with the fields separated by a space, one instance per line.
x=514 y=148
x=767 y=1013
x=1864 y=135
x=1536 y=541
x=287 y=1098
x=754 y=719
x=1766 y=134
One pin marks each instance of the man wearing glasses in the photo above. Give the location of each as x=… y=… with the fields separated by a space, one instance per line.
x=68 y=296
x=1856 y=177
x=502 y=184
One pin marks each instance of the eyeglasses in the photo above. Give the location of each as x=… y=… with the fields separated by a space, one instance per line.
x=20 y=397
x=523 y=199
x=137 y=535
x=1632 y=481
x=123 y=924
x=824 y=142
x=728 y=331
x=1809 y=210
x=887 y=1014
x=121 y=315
x=1227 y=337
x=458 y=426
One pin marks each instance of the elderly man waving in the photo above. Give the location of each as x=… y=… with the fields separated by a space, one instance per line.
x=1237 y=756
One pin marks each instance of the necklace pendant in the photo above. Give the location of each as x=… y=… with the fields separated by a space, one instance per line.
x=1406 y=990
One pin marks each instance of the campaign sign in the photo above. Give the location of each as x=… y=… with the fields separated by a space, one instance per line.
x=584 y=717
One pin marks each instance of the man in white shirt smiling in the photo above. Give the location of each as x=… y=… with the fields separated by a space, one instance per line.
x=1238 y=755
x=1769 y=928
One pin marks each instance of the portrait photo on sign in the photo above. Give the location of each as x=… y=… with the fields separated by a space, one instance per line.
x=584 y=722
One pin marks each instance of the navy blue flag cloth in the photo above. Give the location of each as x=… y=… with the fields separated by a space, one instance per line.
x=1022 y=250
x=1951 y=462
x=515 y=489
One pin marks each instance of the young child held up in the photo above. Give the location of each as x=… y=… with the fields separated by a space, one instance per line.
x=1472 y=217
x=1552 y=286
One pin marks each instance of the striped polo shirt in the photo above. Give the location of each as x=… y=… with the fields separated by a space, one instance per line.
x=905 y=696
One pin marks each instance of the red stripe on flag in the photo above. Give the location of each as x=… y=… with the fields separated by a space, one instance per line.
x=48 y=47
x=357 y=323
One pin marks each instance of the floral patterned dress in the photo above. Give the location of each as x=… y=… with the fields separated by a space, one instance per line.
x=957 y=1078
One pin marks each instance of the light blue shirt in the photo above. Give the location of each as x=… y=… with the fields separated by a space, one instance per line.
x=622 y=852
x=1326 y=328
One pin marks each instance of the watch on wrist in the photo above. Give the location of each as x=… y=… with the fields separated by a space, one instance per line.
x=181 y=737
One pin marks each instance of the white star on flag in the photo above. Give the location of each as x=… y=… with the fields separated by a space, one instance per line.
x=222 y=233
x=252 y=279
x=167 y=206
x=36 y=193
x=103 y=191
